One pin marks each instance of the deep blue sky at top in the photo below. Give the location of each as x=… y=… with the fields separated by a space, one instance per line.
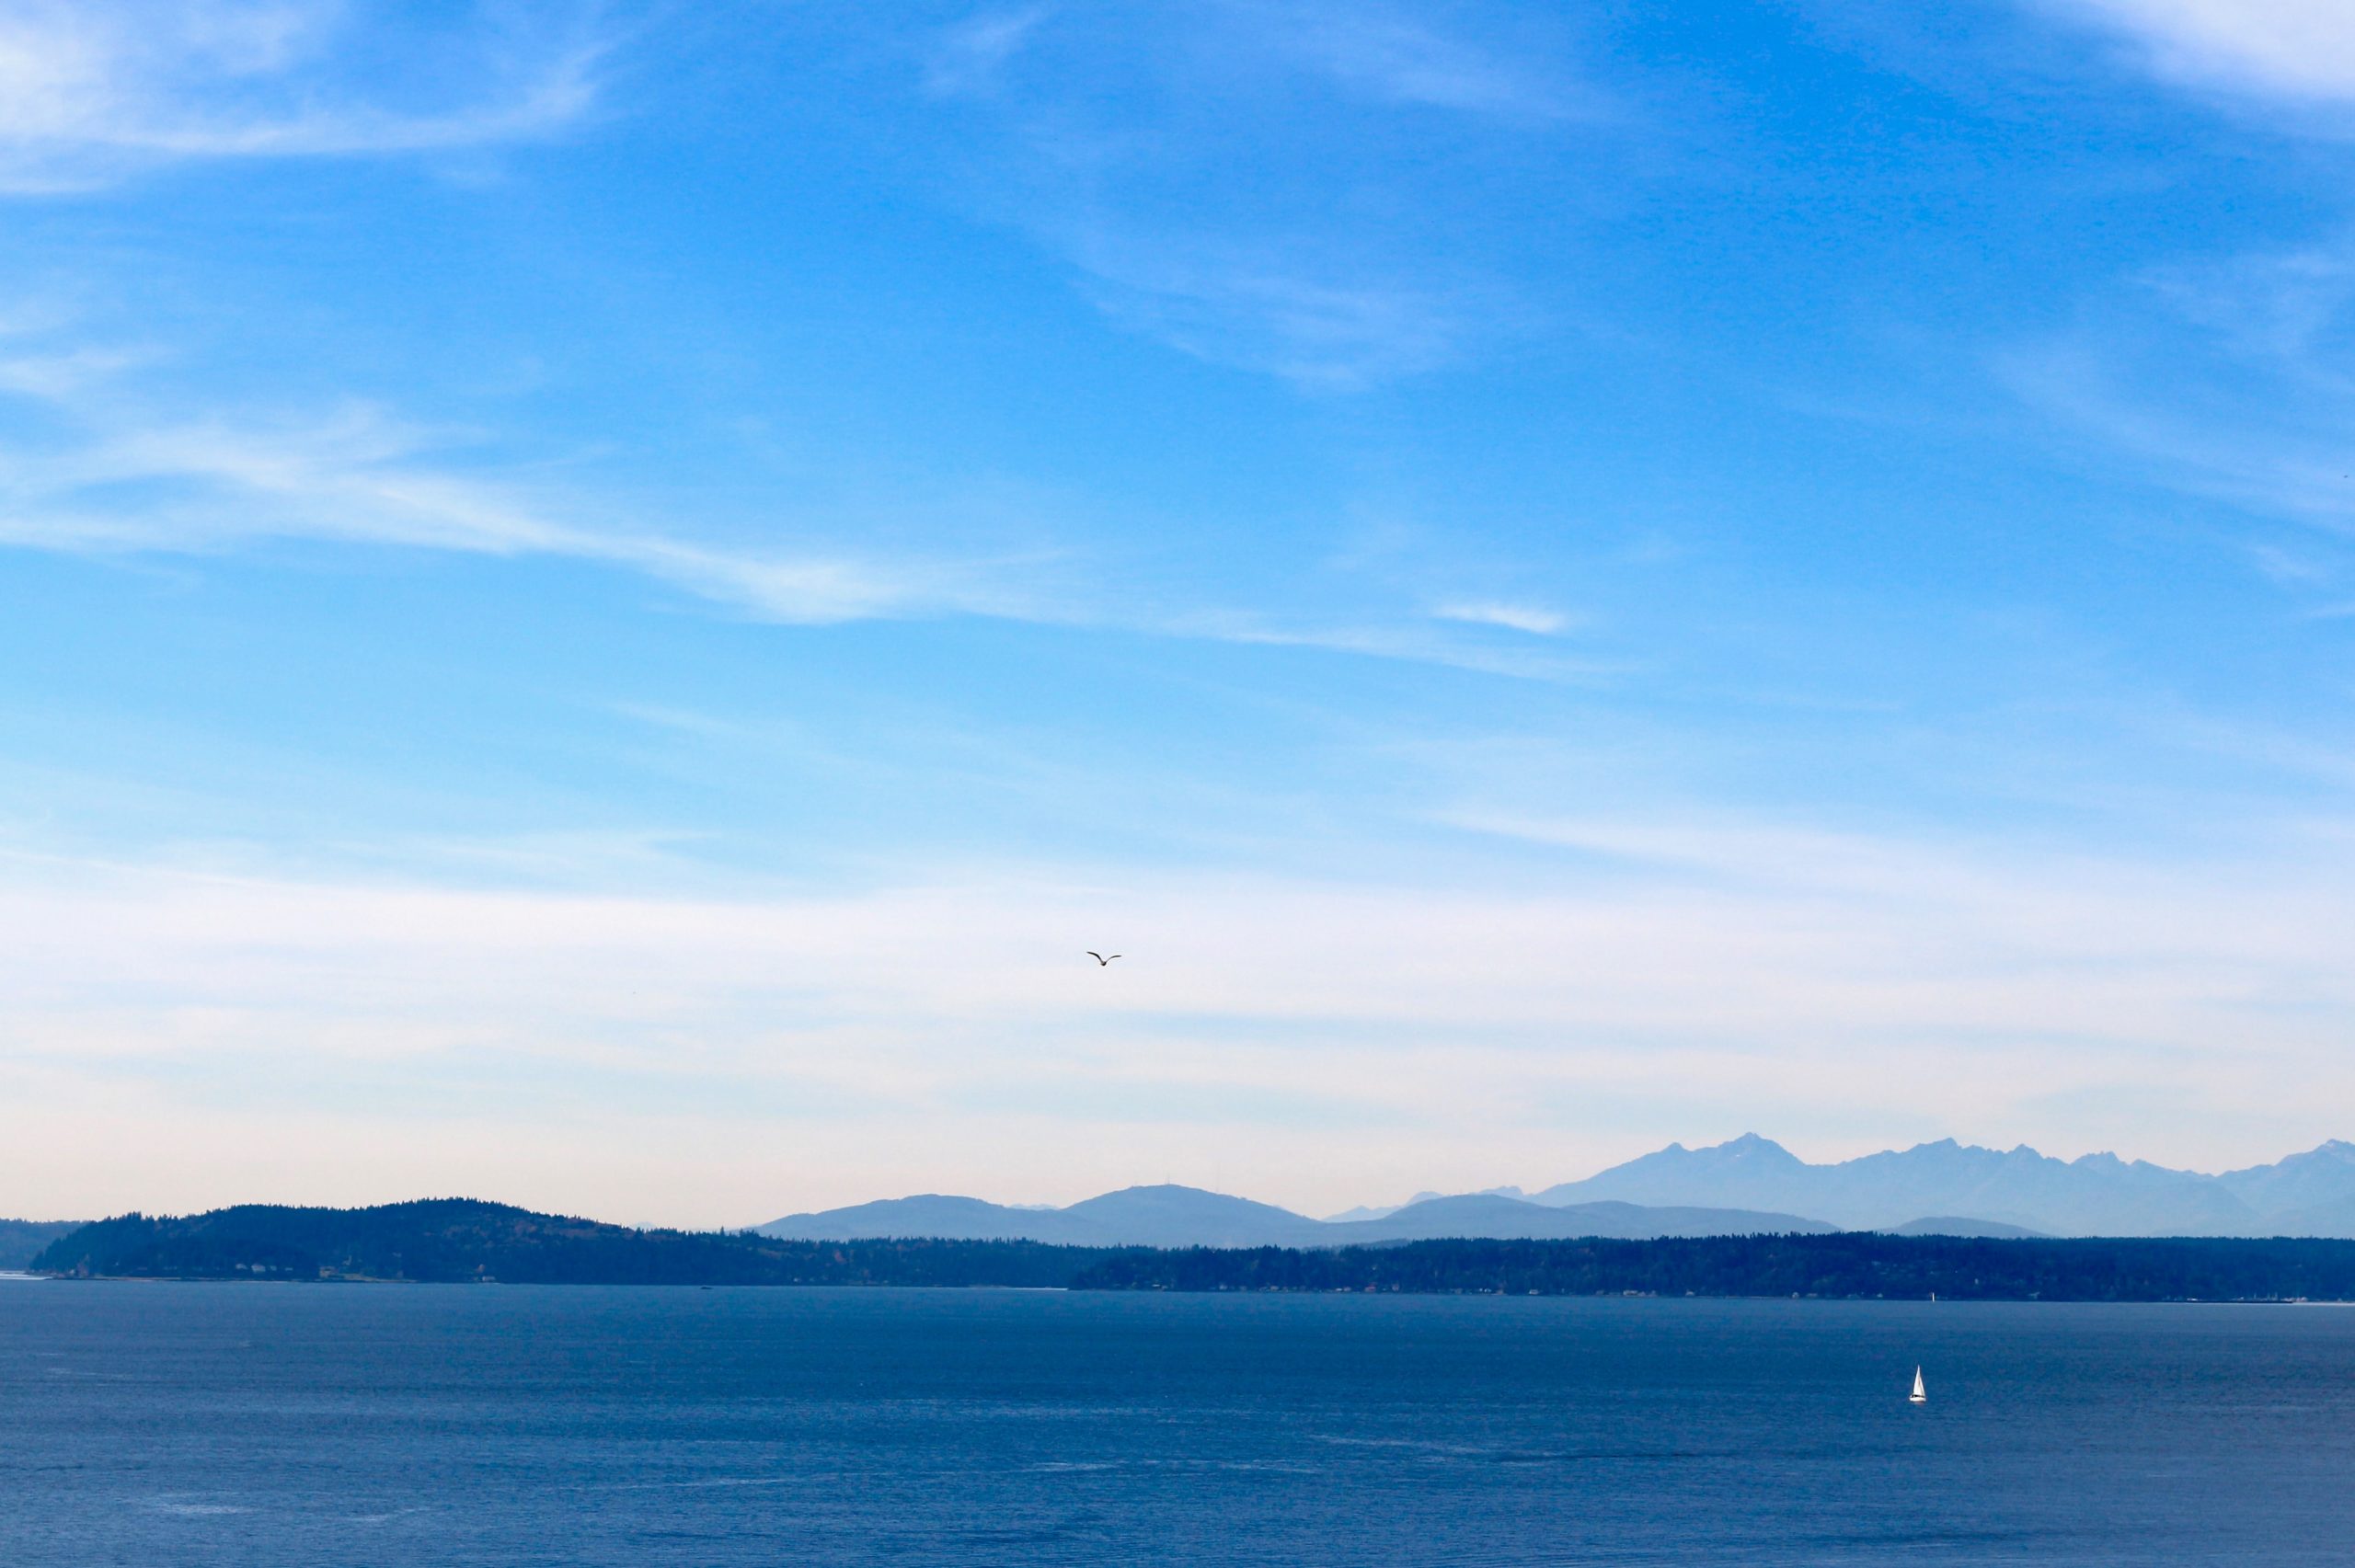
x=1749 y=342
x=652 y=450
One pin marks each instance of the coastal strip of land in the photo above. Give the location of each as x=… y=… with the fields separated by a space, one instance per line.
x=462 y=1239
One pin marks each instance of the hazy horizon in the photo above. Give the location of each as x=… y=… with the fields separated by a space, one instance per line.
x=603 y=599
x=1383 y=1202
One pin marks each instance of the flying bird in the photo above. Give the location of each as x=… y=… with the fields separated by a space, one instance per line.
x=1101 y=961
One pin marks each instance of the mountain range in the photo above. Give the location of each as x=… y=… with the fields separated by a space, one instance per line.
x=1748 y=1186
x=2098 y=1195
x=1170 y=1215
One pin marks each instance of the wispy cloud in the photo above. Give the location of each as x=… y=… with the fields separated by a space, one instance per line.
x=1533 y=619
x=2226 y=380
x=1392 y=56
x=2238 y=455
x=970 y=57
x=2298 y=49
x=102 y=476
x=1409 y=641
x=1314 y=321
x=360 y=480
x=90 y=92
x=1383 y=53
x=1260 y=193
x=121 y=483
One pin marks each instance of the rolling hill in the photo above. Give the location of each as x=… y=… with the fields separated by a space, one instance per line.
x=1170 y=1215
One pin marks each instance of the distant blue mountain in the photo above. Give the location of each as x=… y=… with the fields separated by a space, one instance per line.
x=2320 y=1182
x=2099 y=1195
x=936 y=1215
x=1188 y=1217
x=1149 y=1217
x=1489 y=1216
x=1170 y=1215
x=1954 y=1225
x=1749 y=1186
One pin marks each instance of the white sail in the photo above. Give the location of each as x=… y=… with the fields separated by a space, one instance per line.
x=1920 y=1394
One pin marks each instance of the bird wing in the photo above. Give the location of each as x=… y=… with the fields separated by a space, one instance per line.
x=1097 y=957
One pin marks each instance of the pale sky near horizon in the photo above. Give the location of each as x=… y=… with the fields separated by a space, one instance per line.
x=597 y=601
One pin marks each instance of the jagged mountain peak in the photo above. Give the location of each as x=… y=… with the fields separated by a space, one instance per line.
x=2095 y=1194
x=1749 y=1147
x=2329 y=1150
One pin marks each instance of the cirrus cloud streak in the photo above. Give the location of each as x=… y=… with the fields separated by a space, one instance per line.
x=90 y=93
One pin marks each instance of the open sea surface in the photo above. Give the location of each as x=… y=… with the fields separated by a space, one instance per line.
x=181 y=1424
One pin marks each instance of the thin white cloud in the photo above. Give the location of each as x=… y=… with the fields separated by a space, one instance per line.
x=2235 y=457
x=1393 y=58
x=970 y=57
x=1160 y=199
x=1322 y=330
x=2274 y=468
x=2300 y=50
x=124 y=482
x=1408 y=641
x=2227 y=381
x=1533 y=619
x=358 y=477
x=89 y=92
x=1384 y=54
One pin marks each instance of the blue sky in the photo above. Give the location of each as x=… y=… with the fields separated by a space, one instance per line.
x=601 y=598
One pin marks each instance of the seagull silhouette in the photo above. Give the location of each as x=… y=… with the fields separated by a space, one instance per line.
x=1101 y=961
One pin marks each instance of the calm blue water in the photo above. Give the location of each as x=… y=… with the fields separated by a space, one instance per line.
x=262 y=1424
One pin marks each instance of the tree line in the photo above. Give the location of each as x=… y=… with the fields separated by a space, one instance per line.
x=459 y=1240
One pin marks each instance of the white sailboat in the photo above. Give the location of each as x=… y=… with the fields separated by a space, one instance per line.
x=1920 y=1394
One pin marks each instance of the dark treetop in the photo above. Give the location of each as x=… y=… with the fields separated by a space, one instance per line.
x=1855 y=1264
x=446 y=1240
x=461 y=1239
